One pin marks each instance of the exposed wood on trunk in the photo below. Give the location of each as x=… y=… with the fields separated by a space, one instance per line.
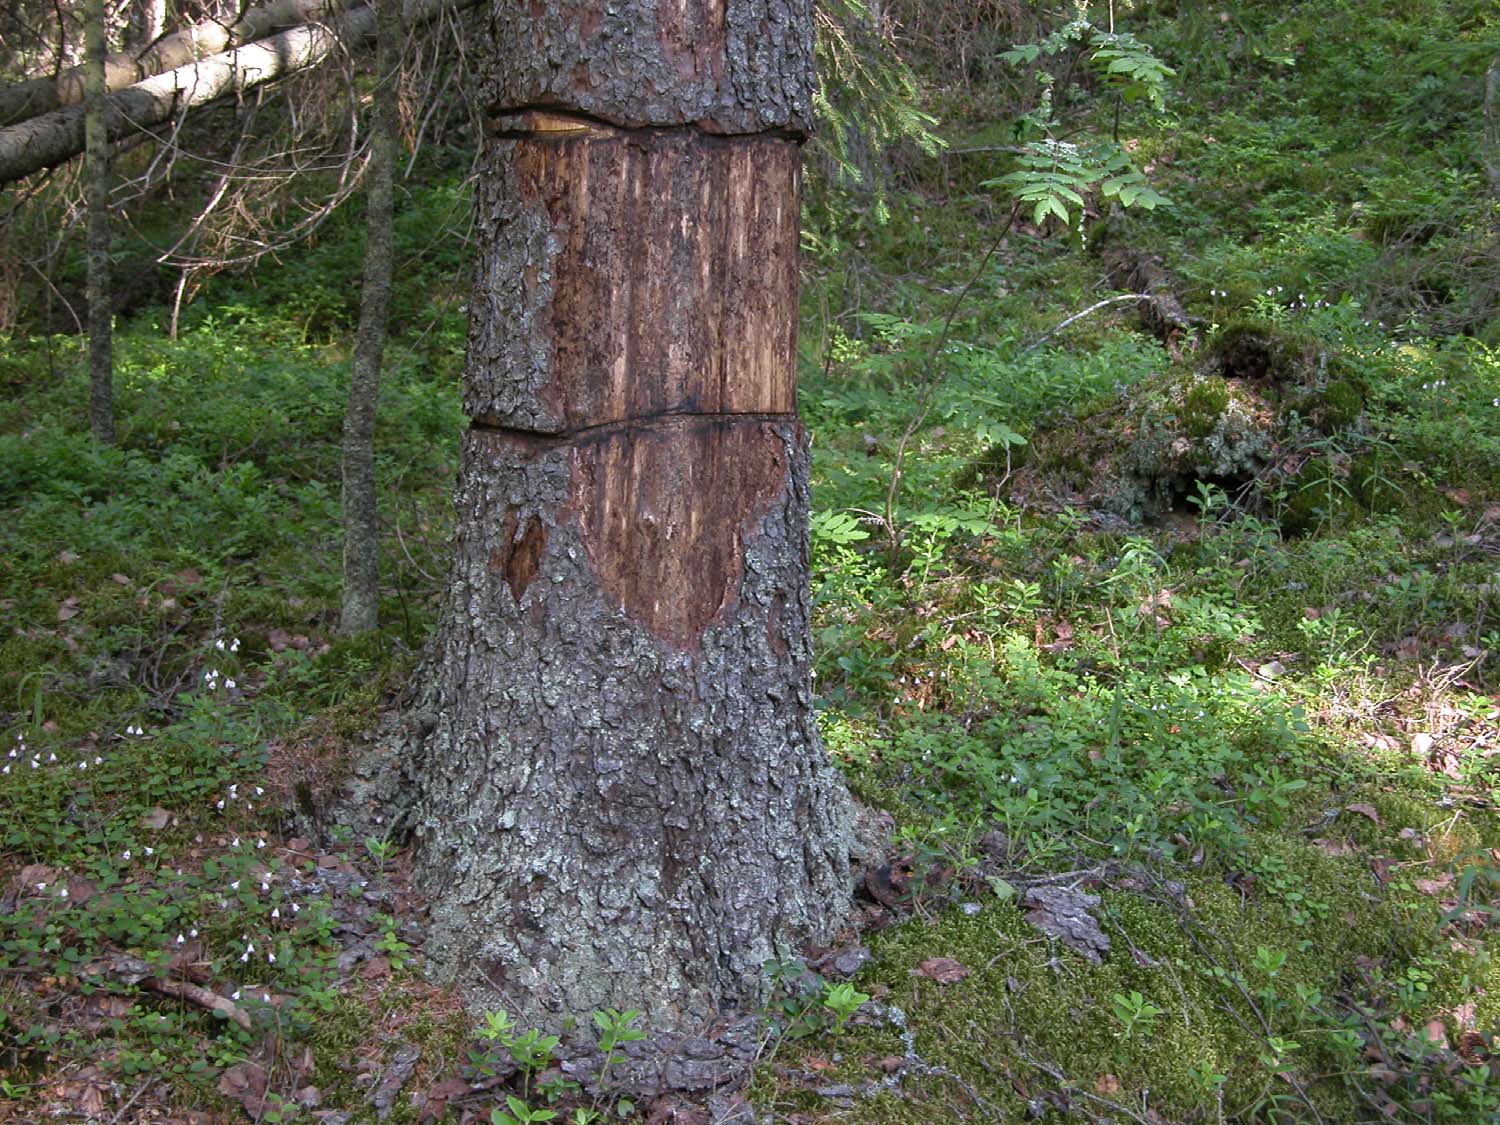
x=51 y=138
x=126 y=68
x=661 y=278
x=623 y=799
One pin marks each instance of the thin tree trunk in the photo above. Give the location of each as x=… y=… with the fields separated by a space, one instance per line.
x=1490 y=141
x=148 y=19
x=361 y=596
x=96 y=175
x=623 y=797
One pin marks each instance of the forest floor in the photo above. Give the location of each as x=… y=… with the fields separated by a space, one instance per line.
x=1173 y=653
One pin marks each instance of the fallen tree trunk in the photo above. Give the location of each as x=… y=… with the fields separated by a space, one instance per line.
x=52 y=138
x=125 y=68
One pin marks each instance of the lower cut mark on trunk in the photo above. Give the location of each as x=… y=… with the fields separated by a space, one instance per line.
x=626 y=801
x=662 y=507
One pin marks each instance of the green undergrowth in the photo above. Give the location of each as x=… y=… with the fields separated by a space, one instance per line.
x=1255 y=718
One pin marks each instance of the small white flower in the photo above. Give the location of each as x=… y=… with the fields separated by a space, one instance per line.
x=259 y=791
x=265 y=886
x=126 y=854
x=260 y=843
x=83 y=765
x=219 y=644
x=41 y=886
x=149 y=851
x=63 y=893
x=234 y=645
x=229 y=684
x=193 y=932
x=235 y=995
x=295 y=908
x=234 y=886
x=51 y=757
x=219 y=805
x=235 y=842
x=271 y=958
x=275 y=912
x=98 y=761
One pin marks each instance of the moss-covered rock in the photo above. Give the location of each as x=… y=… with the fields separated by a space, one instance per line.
x=1253 y=420
x=1256 y=350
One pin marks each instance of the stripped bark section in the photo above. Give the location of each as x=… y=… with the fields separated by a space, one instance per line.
x=660 y=277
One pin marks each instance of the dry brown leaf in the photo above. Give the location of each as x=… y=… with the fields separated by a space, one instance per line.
x=375 y=967
x=1436 y=1034
x=1367 y=811
x=1334 y=847
x=68 y=609
x=944 y=970
x=157 y=819
x=1107 y=1084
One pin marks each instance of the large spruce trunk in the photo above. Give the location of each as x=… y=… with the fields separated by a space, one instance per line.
x=623 y=798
